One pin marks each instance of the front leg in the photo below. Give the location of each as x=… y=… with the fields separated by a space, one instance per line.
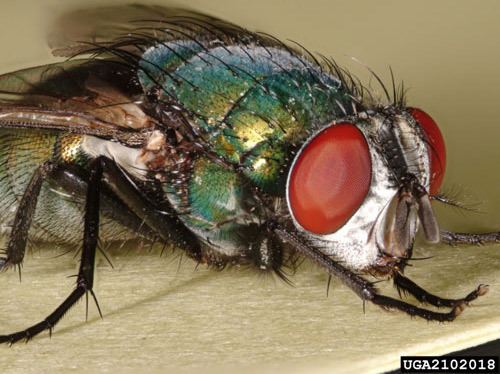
x=362 y=287
x=405 y=284
x=455 y=238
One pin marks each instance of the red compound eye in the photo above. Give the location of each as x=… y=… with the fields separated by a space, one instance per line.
x=436 y=147
x=330 y=179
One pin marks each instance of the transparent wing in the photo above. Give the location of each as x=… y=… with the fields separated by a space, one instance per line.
x=74 y=32
x=83 y=96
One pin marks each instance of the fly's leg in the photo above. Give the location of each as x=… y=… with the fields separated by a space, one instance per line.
x=404 y=284
x=104 y=172
x=455 y=238
x=165 y=223
x=362 y=287
x=269 y=256
x=85 y=278
x=73 y=182
x=16 y=246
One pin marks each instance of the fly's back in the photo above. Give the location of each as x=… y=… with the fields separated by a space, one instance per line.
x=251 y=104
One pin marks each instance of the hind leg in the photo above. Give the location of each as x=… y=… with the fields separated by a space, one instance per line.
x=85 y=276
x=103 y=172
x=16 y=246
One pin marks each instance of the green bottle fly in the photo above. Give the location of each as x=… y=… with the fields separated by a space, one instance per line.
x=229 y=145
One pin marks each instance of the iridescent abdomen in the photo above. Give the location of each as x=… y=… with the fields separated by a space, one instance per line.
x=59 y=213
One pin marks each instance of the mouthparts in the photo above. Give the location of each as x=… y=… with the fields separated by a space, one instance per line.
x=396 y=226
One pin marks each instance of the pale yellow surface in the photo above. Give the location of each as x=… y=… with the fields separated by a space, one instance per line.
x=157 y=318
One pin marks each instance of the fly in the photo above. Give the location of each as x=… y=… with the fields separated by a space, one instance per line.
x=227 y=144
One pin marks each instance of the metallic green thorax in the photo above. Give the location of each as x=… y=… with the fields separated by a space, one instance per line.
x=253 y=106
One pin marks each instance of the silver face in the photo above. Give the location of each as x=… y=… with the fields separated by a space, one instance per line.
x=366 y=236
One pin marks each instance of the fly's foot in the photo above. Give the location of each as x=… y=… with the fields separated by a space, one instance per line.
x=481 y=290
x=461 y=304
x=458 y=309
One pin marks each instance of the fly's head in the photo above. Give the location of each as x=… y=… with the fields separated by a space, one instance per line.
x=360 y=188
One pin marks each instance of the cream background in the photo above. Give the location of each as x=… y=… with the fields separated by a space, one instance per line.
x=159 y=318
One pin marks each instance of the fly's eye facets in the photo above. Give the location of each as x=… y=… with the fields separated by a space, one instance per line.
x=435 y=145
x=330 y=179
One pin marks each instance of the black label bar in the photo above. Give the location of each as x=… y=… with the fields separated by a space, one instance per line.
x=449 y=364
